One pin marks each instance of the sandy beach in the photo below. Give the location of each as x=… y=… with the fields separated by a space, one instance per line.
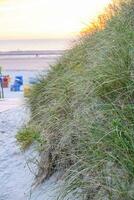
x=28 y=60
x=27 y=64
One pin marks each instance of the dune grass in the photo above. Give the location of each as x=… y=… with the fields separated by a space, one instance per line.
x=85 y=110
x=27 y=135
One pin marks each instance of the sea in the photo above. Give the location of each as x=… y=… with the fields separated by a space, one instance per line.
x=35 y=44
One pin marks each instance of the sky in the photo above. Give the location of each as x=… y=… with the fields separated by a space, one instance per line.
x=24 y=19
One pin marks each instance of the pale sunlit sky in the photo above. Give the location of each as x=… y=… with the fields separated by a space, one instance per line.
x=24 y=19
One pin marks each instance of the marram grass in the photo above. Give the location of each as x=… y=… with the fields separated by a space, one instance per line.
x=85 y=110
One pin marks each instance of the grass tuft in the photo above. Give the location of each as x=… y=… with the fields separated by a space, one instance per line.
x=27 y=136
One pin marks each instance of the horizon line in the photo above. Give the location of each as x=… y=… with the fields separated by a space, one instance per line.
x=45 y=38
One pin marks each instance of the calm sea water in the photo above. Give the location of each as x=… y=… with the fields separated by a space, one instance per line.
x=35 y=44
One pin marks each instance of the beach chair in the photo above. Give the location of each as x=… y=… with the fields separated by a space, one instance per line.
x=17 y=84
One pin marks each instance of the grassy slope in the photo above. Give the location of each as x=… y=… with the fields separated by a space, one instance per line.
x=84 y=110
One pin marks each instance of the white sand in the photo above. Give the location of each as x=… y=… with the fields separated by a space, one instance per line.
x=17 y=169
x=10 y=103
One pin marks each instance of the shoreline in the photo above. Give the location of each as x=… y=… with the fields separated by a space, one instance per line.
x=28 y=61
x=32 y=52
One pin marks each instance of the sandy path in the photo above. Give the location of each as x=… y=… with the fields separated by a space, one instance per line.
x=15 y=177
x=9 y=103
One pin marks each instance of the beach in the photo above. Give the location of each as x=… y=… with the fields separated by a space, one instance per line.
x=29 y=64
x=28 y=60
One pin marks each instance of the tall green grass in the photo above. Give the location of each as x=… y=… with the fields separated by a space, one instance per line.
x=85 y=110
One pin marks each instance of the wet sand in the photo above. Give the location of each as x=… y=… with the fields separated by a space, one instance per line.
x=28 y=62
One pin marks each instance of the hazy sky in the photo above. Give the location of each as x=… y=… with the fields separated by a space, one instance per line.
x=46 y=18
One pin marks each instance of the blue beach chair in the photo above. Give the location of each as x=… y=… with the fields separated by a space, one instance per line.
x=17 y=84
